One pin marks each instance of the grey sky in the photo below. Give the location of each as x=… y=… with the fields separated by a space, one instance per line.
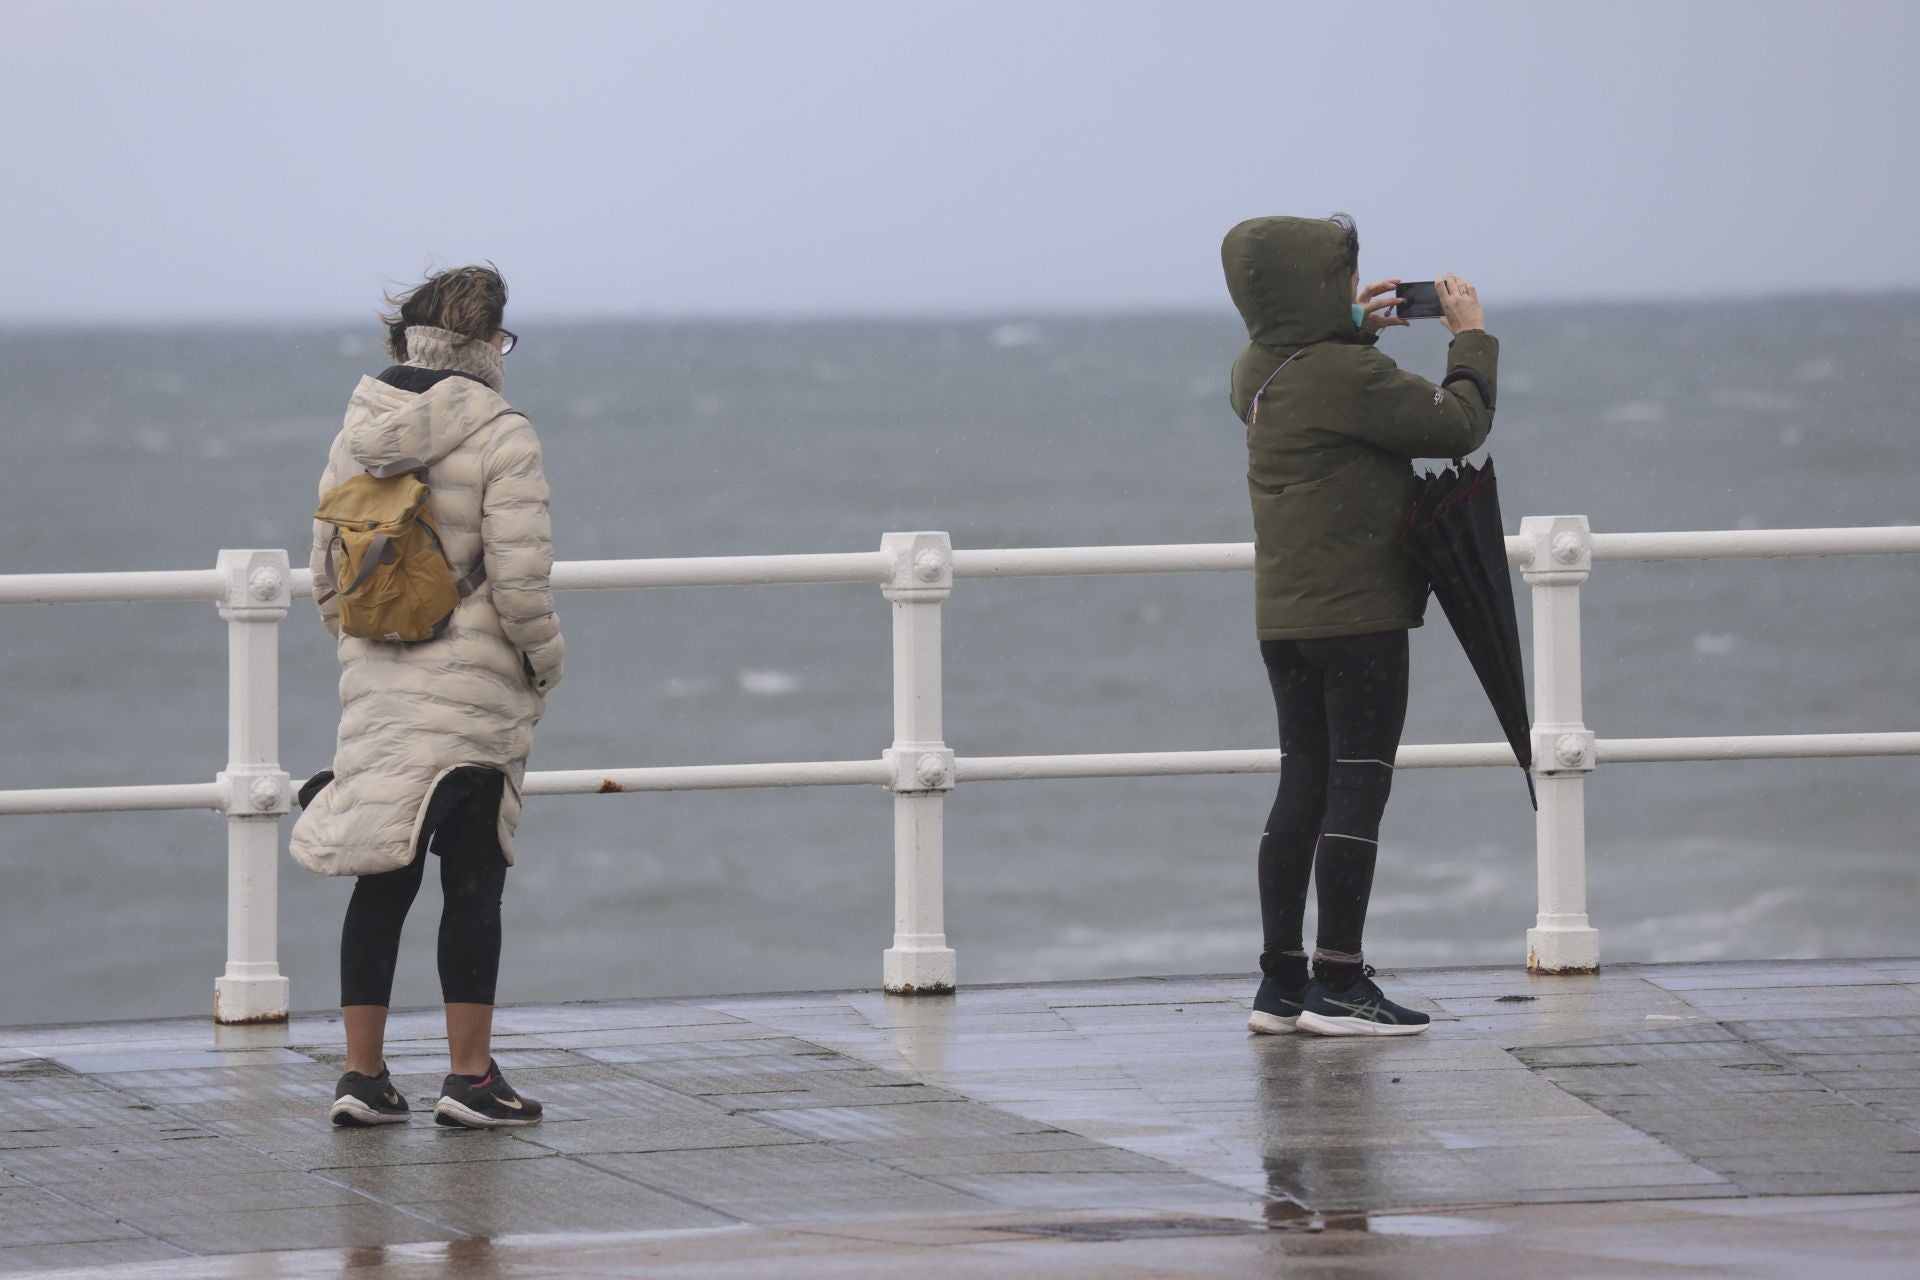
x=215 y=161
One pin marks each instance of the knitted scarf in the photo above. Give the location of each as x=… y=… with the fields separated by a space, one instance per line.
x=431 y=348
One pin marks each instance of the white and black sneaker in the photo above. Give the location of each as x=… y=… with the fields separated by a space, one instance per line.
x=483 y=1102
x=1357 y=1009
x=366 y=1100
x=1276 y=1007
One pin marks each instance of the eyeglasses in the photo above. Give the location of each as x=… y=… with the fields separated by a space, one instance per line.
x=512 y=341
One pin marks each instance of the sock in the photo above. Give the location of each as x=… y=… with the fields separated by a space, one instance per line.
x=1289 y=968
x=1337 y=975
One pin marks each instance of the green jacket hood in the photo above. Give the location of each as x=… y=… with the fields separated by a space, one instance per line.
x=1290 y=279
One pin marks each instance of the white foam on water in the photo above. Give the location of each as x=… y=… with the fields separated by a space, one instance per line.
x=1228 y=946
x=1709 y=934
x=1454 y=889
x=1815 y=371
x=1713 y=644
x=768 y=683
x=1005 y=337
x=686 y=687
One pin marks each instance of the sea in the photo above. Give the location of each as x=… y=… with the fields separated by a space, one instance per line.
x=131 y=448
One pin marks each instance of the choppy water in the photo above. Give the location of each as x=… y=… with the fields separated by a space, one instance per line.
x=153 y=449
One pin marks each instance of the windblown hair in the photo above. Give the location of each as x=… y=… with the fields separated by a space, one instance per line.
x=1345 y=223
x=469 y=300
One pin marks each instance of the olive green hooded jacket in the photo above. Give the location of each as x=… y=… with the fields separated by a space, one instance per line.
x=1330 y=442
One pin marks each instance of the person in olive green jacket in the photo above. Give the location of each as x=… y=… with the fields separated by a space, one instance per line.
x=1332 y=427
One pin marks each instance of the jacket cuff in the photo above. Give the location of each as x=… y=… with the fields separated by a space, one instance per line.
x=545 y=664
x=1476 y=349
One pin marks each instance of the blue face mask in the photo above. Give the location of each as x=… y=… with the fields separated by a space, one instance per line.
x=1359 y=316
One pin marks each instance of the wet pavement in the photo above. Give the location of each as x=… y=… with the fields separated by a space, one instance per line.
x=1758 y=1118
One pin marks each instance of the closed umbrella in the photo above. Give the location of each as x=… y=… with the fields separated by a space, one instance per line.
x=1454 y=533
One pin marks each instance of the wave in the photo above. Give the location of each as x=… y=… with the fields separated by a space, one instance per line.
x=768 y=683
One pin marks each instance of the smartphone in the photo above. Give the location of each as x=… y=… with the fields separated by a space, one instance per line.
x=1419 y=300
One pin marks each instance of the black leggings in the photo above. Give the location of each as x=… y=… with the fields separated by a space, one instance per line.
x=1342 y=703
x=463 y=825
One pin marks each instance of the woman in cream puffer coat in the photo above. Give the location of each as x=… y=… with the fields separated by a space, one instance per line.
x=411 y=713
x=434 y=736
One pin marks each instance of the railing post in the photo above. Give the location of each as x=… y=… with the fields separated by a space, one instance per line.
x=257 y=789
x=919 y=962
x=1560 y=557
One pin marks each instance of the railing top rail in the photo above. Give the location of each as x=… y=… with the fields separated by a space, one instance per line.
x=69 y=588
x=723 y=571
x=1035 y=562
x=1000 y=562
x=1734 y=544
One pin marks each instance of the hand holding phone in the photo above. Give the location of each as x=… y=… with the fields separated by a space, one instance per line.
x=1461 y=302
x=1449 y=298
x=1373 y=306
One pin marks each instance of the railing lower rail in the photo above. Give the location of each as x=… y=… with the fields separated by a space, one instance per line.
x=916 y=571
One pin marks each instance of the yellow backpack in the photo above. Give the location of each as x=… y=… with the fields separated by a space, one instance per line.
x=386 y=561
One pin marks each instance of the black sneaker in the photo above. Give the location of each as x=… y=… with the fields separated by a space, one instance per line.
x=363 y=1100
x=483 y=1102
x=1358 y=1009
x=1276 y=1007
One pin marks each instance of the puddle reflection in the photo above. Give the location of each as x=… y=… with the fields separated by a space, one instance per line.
x=1314 y=1141
x=472 y=1258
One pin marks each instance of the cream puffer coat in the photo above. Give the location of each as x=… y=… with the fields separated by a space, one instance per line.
x=412 y=713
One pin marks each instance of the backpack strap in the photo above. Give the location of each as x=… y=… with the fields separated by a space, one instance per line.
x=320 y=597
x=368 y=563
x=1460 y=373
x=473 y=580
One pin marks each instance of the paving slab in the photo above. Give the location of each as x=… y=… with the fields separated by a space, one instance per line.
x=657 y=1133
x=87 y=1257
x=803 y=1183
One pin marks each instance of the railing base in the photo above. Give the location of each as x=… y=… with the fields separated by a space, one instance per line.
x=920 y=971
x=250 y=998
x=1563 y=950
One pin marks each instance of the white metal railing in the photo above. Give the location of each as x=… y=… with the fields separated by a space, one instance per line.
x=916 y=571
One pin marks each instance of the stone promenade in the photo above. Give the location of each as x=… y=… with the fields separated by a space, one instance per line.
x=1724 y=1119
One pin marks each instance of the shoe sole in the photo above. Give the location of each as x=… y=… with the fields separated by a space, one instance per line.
x=1270 y=1024
x=1321 y=1025
x=449 y=1112
x=348 y=1112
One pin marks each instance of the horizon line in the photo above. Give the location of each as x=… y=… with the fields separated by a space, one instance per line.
x=853 y=315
